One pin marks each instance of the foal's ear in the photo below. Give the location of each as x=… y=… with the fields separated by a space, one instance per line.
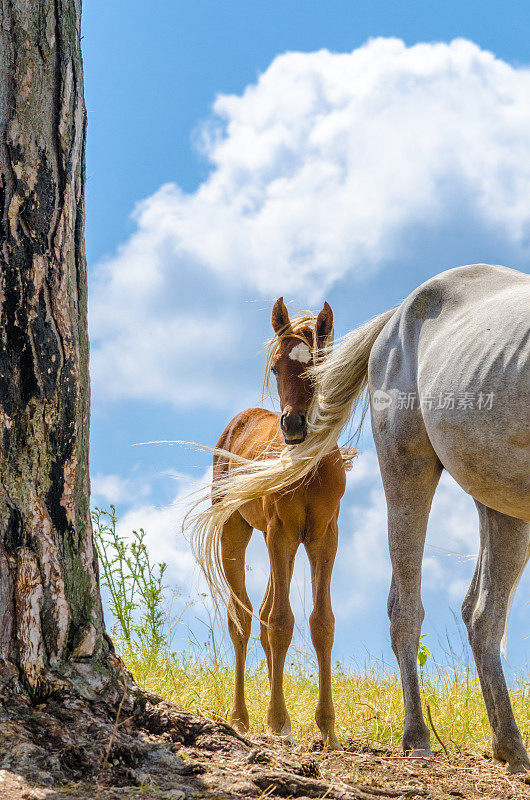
x=280 y=317
x=324 y=324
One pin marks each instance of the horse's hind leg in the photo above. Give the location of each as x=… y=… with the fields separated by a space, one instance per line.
x=321 y=553
x=234 y=540
x=504 y=551
x=410 y=470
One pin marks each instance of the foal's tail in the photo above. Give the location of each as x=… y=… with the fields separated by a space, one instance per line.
x=340 y=383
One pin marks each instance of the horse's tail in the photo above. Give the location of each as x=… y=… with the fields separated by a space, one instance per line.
x=341 y=379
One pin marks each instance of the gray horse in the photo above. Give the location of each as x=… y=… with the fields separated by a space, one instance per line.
x=448 y=385
x=449 y=388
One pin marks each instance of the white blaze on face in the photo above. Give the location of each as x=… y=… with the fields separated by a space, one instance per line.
x=301 y=353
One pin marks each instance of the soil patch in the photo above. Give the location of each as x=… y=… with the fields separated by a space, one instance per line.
x=79 y=749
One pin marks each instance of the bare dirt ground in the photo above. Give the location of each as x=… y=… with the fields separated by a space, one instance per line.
x=153 y=751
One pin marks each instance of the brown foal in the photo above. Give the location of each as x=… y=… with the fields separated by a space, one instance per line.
x=304 y=514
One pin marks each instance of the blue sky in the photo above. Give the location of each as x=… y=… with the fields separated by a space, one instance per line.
x=238 y=151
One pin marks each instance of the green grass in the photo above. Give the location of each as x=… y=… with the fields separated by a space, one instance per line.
x=368 y=702
x=368 y=706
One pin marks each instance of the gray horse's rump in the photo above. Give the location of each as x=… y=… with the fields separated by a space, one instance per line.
x=458 y=351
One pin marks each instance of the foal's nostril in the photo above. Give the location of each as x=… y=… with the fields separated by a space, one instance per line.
x=293 y=423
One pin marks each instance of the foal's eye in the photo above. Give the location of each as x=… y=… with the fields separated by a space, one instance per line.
x=274 y=371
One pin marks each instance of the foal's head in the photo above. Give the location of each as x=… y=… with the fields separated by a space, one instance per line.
x=294 y=349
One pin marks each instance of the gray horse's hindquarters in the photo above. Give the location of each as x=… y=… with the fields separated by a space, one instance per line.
x=477 y=366
x=448 y=381
x=458 y=350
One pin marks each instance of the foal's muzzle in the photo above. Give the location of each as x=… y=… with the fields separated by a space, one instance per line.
x=294 y=427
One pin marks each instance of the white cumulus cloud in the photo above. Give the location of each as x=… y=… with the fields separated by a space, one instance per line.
x=319 y=171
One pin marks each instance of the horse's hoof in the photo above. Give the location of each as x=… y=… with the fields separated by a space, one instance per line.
x=241 y=729
x=335 y=746
x=515 y=757
x=332 y=743
x=239 y=725
x=422 y=755
x=287 y=736
x=518 y=768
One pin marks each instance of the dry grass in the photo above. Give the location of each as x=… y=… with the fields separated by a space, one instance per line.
x=369 y=706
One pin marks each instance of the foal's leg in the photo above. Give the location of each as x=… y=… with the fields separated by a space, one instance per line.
x=321 y=554
x=234 y=540
x=280 y=624
x=410 y=470
x=504 y=551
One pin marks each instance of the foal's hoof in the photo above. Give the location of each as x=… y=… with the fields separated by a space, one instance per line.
x=285 y=735
x=239 y=723
x=240 y=728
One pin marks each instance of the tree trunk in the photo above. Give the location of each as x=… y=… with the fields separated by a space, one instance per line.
x=69 y=711
x=52 y=633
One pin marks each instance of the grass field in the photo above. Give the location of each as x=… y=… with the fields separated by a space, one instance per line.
x=368 y=701
x=369 y=706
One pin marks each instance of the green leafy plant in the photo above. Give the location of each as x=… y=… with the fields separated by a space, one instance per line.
x=136 y=586
x=423 y=652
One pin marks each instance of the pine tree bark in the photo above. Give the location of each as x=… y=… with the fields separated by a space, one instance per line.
x=52 y=633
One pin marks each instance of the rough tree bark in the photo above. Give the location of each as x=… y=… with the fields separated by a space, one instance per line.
x=51 y=624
